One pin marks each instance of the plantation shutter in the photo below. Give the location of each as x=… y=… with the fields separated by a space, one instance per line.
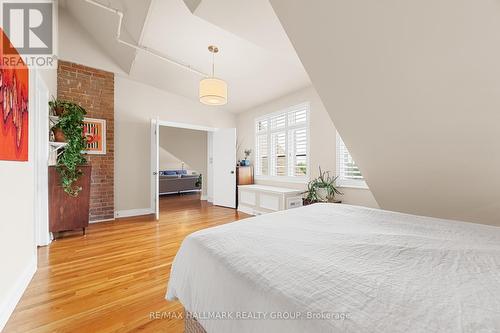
x=281 y=143
x=279 y=153
x=262 y=155
x=347 y=169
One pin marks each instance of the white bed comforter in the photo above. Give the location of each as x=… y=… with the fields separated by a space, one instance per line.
x=384 y=271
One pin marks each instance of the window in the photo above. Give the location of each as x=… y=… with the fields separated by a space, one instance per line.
x=281 y=144
x=347 y=171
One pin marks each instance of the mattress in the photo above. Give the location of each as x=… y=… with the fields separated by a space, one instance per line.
x=340 y=268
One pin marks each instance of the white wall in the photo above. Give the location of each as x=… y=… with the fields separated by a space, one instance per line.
x=18 y=255
x=322 y=141
x=413 y=87
x=187 y=145
x=170 y=162
x=135 y=105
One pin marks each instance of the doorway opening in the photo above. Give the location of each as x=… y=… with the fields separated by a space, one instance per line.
x=190 y=162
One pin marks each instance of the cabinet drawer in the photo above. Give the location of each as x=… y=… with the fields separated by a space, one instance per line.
x=293 y=202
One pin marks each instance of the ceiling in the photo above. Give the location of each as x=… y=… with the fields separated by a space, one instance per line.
x=256 y=58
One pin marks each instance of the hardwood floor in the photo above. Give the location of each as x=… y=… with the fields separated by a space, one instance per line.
x=114 y=277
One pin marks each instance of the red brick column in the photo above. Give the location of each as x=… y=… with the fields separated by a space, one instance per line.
x=93 y=89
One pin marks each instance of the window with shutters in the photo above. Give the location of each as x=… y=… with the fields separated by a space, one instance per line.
x=282 y=144
x=348 y=172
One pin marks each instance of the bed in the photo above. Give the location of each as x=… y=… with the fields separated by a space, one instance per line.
x=340 y=268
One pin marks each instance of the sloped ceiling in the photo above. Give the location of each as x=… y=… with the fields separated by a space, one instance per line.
x=256 y=72
x=414 y=89
x=102 y=25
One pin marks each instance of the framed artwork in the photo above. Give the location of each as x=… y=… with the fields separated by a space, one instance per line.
x=14 y=122
x=94 y=131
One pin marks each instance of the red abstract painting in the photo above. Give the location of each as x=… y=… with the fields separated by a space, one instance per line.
x=13 y=105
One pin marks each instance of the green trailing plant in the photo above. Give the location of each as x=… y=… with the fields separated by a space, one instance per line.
x=322 y=189
x=70 y=160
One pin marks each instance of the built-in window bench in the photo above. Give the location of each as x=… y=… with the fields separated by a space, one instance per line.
x=261 y=199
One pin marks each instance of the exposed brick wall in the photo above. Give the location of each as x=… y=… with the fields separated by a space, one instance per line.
x=93 y=89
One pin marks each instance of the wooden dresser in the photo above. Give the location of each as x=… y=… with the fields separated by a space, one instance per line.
x=67 y=212
x=244 y=175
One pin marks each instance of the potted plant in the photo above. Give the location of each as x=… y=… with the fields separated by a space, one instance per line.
x=322 y=189
x=58 y=134
x=246 y=161
x=199 y=181
x=56 y=106
x=71 y=159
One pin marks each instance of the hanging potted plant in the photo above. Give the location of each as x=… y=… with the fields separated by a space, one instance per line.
x=322 y=189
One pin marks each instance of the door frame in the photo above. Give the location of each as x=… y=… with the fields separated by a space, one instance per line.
x=41 y=157
x=154 y=195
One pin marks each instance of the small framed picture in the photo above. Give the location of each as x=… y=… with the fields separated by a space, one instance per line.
x=94 y=131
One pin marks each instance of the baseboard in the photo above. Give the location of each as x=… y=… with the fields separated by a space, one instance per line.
x=204 y=197
x=133 y=212
x=247 y=210
x=9 y=304
x=99 y=221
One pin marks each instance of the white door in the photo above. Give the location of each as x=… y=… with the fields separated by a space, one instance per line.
x=155 y=165
x=224 y=166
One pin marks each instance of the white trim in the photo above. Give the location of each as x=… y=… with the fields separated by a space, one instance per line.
x=133 y=212
x=180 y=192
x=284 y=179
x=99 y=221
x=361 y=186
x=204 y=197
x=9 y=303
x=41 y=148
x=186 y=126
x=155 y=167
x=247 y=210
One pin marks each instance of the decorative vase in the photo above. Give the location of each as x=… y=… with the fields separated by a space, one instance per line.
x=58 y=134
x=322 y=194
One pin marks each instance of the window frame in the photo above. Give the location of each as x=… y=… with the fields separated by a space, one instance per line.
x=287 y=130
x=343 y=181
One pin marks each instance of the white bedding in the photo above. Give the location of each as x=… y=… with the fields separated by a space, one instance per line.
x=384 y=271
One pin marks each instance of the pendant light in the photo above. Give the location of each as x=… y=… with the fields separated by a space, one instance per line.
x=213 y=91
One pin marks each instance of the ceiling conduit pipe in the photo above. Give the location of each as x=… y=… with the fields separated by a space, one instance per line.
x=140 y=47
